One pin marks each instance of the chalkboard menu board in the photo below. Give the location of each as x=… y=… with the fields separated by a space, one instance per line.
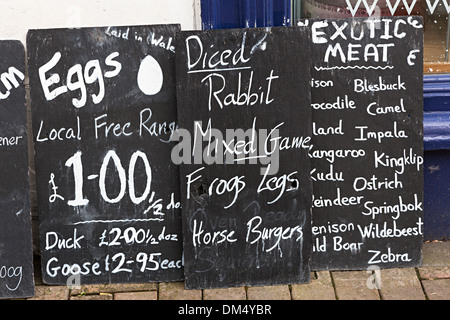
x=104 y=110
x=245 y=131
x=367 y=154
x=16 y=255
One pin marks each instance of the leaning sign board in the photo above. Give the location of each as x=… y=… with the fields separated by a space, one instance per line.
x=367 y=154
x=104 y=110
x=16 y=253
x=244 y=116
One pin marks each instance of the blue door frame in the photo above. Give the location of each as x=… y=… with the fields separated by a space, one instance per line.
x=225 y=14
x=222 y=14
x=436 y=125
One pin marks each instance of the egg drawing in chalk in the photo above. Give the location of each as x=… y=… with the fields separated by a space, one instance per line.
x=150 y=76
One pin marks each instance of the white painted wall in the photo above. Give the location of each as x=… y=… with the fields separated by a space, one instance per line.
x=17 y=16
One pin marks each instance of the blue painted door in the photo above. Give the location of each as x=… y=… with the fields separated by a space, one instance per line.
x=225 y=14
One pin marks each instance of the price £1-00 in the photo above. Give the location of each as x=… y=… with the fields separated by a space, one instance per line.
x=76 y=163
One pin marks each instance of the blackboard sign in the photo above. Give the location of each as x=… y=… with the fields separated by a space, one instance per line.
x=16 y=253
x=104 y=110
x=367 y=154
x=244 y=116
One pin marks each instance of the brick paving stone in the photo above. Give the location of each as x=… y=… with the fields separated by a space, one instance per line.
x=269 y=293
x=428 y=273
x=436 y=254
x=225 y=294
x=145 y=295
x=352 y=285
x=45 y=292
x=113 y=288
x=400 y=284
x=320 y=288
x=176 y=291
x=104 y=296
x=437 y=289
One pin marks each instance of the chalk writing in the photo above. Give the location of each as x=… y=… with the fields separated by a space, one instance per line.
x=16 y=249
x=243 y=162
x=104 y=110
x=366 y=149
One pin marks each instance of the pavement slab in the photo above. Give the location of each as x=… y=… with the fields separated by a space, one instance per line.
x=430 y=273
x=353 y=285
x=145 y=295
x=238 y=293
x=269 y=293
x=320 y=288
x=437 y=289
x=44 y=292
x=112 y=288
x=103 y=296
x=436 y=254
x=400 y=284
x=177 y=291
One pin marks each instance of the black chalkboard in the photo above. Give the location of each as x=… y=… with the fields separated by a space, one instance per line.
x=16 y=253
x=104 y=109
x=367 y=154
x=244 y=114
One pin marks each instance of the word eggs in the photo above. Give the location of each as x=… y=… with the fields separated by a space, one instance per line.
x=104 y=109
